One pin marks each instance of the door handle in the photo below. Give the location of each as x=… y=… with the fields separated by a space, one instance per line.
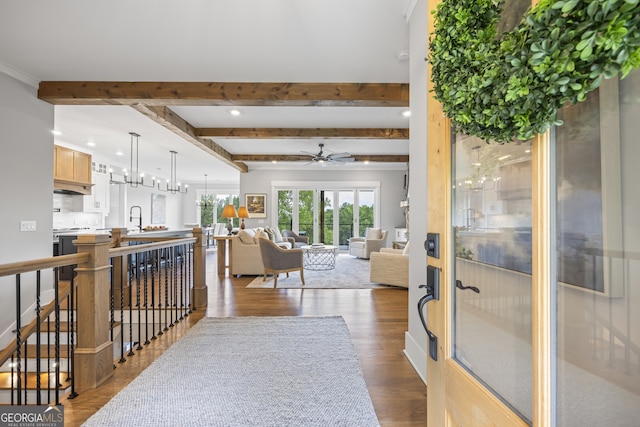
x=460 y=286
x=433 y=292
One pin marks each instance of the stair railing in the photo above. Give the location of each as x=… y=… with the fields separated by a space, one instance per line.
x=28 y=324
x=164 y=278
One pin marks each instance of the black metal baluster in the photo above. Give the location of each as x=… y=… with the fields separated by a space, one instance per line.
x=72 y=331
x=182 y=279
x=69 y=330
x=112 y=319
x=141 y=265
x=56 y=298
x=122 y=358
x=154 y=271
x=148 y=265
x=38 y=339
x=18 y=343
x=134 y=272
x=112 y=302
x=166 y=288
x=174 y=277
x=190 y=273
x=185 y=288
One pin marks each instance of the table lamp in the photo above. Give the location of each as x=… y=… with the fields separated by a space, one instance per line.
x=229 y=211
x=242 y=213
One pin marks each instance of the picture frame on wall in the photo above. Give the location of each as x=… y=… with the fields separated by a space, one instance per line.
x=158 y=208
x=256 y=205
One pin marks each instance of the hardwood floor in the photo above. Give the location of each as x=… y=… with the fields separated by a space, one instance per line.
x=377 y=320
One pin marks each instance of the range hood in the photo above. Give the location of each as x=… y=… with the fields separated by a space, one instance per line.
x=70 y=187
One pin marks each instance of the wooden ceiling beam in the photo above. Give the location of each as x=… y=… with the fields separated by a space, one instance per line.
x=273 y=133
x=227 y=93
x=176 y=124
x=394 y=158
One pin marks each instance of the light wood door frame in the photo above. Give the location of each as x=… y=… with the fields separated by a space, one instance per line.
x=454 y=396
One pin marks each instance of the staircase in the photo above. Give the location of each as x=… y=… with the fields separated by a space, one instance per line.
x=38 y=371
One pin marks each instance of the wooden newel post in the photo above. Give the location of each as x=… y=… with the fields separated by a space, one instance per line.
x=199 y=292
x=94 y=353
x=120 y=282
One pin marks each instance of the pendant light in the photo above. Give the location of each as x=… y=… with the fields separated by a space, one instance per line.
x=172 y=185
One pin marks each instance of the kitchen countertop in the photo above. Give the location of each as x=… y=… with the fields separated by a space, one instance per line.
x=160 y=233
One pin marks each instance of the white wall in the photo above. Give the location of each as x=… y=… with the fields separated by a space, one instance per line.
x=26 y=171
x=141 y=196
x=415 y=337
x=391 y=189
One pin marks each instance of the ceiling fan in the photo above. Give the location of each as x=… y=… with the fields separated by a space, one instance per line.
x=329 y=157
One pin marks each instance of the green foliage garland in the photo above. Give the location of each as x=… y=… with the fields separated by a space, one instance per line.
x=512 y=87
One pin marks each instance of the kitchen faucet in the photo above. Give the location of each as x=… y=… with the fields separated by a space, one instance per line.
x=139 y=217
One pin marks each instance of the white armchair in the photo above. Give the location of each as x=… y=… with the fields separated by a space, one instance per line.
x=374 y=239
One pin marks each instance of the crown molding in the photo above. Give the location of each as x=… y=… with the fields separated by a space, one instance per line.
x=19 y=75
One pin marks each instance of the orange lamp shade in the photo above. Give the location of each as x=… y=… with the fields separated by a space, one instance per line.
x=229 y=211
x=243 y=212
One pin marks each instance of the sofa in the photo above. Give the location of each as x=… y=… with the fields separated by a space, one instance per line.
x=245 y=255
x=390 y=267
x=374 y=239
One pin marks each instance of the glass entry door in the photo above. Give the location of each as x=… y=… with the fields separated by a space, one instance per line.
x=492 y=226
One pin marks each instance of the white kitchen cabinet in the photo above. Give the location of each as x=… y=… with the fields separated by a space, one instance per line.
x=98 y=201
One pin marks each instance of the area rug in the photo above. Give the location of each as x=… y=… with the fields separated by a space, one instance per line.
x=249 y=371
x=350 y=273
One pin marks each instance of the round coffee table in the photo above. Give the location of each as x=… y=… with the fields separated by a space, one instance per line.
x=317 y=257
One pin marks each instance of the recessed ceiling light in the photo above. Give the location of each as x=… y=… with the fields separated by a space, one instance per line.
x=234 y=112
x=274 y=161
x=119 y=153
x=91 y=144
x=406 y=113
x=366 y=162
x=56 y=132
x=504 y=157
x=527 y=151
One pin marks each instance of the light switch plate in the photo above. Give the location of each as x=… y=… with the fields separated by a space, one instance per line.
x=27 y=226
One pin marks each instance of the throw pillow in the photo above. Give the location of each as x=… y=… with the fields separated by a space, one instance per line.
x=374 y=233
x=258 y=235
x=270 y=233
x=278 y=235
x=405 y=251
x=246 y=237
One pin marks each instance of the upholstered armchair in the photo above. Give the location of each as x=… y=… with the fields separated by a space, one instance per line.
x=298 y=240
x=374 y=239
x=277 y=260
x=390 y=267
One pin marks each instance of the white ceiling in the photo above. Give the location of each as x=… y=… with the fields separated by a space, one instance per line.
x=347 y=41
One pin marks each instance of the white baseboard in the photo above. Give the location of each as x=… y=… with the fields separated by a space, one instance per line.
x=416 y=355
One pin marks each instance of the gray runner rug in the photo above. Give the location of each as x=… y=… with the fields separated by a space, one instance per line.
x=249 y=371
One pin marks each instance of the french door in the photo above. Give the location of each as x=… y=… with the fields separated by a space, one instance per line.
x=538 y=317
x=327 y=214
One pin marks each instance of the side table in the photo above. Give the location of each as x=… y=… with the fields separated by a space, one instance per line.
x=224 y=247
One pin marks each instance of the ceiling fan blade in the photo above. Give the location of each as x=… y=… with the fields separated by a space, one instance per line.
x=344 y=159
x=340 y=155
x=308 y=153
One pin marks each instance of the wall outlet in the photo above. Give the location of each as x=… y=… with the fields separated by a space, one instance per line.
x=27 y=226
